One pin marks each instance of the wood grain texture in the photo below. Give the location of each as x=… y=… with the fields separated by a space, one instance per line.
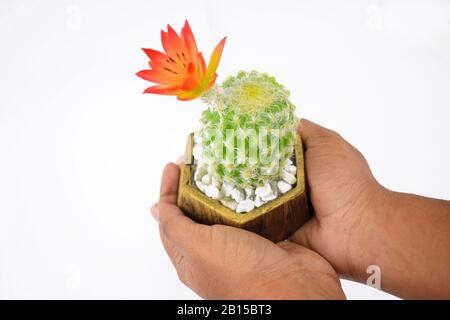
x=275 y=220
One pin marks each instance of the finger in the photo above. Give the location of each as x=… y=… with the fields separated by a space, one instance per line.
x=291 y=247
x=298 y=252
x=177 y=258
x=181 y=231
x=307 y=258
x=171 y=250
x=171 y=232
x=184 y=234
x=169 y=184
x=304 y=235
x=309 y=130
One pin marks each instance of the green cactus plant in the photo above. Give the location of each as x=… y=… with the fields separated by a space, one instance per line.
x=248 y=130
x=247 y=134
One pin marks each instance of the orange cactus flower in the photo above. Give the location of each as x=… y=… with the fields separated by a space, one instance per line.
x=181 y=71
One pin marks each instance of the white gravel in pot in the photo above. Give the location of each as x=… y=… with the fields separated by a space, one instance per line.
x=244 y=200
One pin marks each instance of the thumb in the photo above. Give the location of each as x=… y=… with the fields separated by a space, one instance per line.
x=174 y=226
x=310 y=131
x=305 y=235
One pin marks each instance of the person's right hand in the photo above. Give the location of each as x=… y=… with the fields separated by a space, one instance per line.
x=358 y=223
x=344 y=195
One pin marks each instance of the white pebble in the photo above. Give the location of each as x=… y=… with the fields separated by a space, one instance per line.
x=206 y=179
x=202 y=163
x=270 y=197
x=258 y=202
x=291 y=169
x=197 y=151
x=197 y=137
x=229 y=204
x=201 y=186
x=249 y=193
x=289 y=178
x=226 y=189
x=199 y=173
x=264 y=191
x=283 y=186
x=212 y=192
x=237 y=194
x=245 y=206
x=288 y=162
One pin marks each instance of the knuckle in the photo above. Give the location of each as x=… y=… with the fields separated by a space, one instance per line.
x=164 y=227
x=185 y=276
x=334 y=135
x=181 y=274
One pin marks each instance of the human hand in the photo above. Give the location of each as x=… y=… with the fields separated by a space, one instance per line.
x=222 y=262
x=359 y=223
x=345 y=197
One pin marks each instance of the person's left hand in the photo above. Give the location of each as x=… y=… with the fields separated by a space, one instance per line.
x=222 y=262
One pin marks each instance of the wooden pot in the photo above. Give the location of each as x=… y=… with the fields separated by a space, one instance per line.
x=275 y=220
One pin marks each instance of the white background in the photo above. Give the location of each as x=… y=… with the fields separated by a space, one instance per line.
x=81 y=149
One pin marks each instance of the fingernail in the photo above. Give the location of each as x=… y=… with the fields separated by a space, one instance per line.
x=155 y=212
x=180 y=161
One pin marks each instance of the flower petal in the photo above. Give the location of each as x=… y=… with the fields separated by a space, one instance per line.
x=192 y=82
x=170 y=69
x=201 y=63
x=188 y=95
x=157 y=76
x=181 y=70
x=178 y=46
x=167 y=45
x=213 y=63
x=155 y=55
x=209 y=85
x=166 y=90
x=162 y=61
x=189 y=40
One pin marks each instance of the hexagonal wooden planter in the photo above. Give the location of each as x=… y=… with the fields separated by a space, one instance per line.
x=275 y=220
